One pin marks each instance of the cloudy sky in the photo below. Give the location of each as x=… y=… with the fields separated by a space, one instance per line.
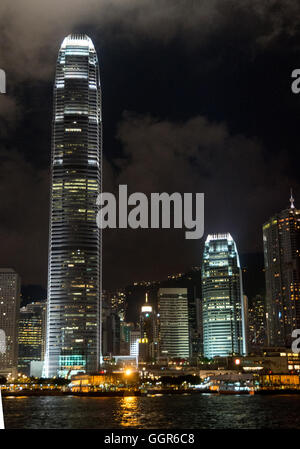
x=196 y=98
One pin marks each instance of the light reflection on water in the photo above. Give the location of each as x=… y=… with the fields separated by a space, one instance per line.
x=172 y=412
x=129 y=411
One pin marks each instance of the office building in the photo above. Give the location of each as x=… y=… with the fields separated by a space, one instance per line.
x=110 y=327
x=223 y=301
x=9 y=317
x=173 y=323
x=257 y=323
x=125 y=331
x=31 y=337
x=281 y=239
x=134 y=343
x=74 y=273
x=148 y=338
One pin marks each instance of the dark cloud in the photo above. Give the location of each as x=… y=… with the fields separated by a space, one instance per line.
x=201 y=156
x=209 y=86
x=29 y=28
x=24 y=199
x=241 y=189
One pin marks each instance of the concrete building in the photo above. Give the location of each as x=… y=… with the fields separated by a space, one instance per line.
x=281 y=239
x=148 y=344
x=173 y=323
x=257 y=324
x=31 y=335
x=9 y=316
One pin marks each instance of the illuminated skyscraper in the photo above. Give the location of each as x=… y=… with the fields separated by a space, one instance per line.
x=281 y=237
x=74 y=273
x=223 y=302
x=257 y=323
x=9 y=317
x=173 y=322
x=31 y=335
x=148 y=343
x=134 y=343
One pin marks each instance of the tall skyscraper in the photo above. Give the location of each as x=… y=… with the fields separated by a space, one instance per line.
x=173 y=322
x=31 y=337
x=222 y=295
x=281 y=237
x=9 y=316
x=74 y=273
x=148 y=342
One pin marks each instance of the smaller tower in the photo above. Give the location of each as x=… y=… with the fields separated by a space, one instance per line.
x=174 y=337
x=147 y=325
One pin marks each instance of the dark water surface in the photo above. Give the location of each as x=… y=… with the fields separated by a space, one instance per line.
x=173 y=412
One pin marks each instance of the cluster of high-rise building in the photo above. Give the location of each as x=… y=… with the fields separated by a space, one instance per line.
x=201 y=314
x=24 y=328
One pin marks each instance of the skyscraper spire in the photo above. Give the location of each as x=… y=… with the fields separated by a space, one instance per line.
x=292 y=200
x=146 y=307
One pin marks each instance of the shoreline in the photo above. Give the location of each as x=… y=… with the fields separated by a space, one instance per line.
x=149 y=393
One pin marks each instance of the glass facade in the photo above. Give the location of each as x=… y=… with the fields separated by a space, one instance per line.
x=173 y=323
x=281 y=238
x=31 y=337
x=257 y=323
x=222 y=294
x=9 y=316
x=74 y=274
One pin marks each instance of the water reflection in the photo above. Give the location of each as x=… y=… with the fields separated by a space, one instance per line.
x=164 y=412
x=128 y=414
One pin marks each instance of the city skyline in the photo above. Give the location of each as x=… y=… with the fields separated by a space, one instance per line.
x=74 y=316
x=150 y=218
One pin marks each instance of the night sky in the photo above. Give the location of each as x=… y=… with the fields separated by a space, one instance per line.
x=196 y=98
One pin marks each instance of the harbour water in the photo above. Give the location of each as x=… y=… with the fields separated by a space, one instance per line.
x=159 y=412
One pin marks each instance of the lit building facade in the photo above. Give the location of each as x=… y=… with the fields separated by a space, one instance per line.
x=125 y=331
x=110 y=328
x=31 y=333
x=118 y=303
x=134 y=343
x=74 y=273
x=9 y=317
x=148 y=343
x=257 y=323
x=281 y=238
x=173 y=323
x=222 y=295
